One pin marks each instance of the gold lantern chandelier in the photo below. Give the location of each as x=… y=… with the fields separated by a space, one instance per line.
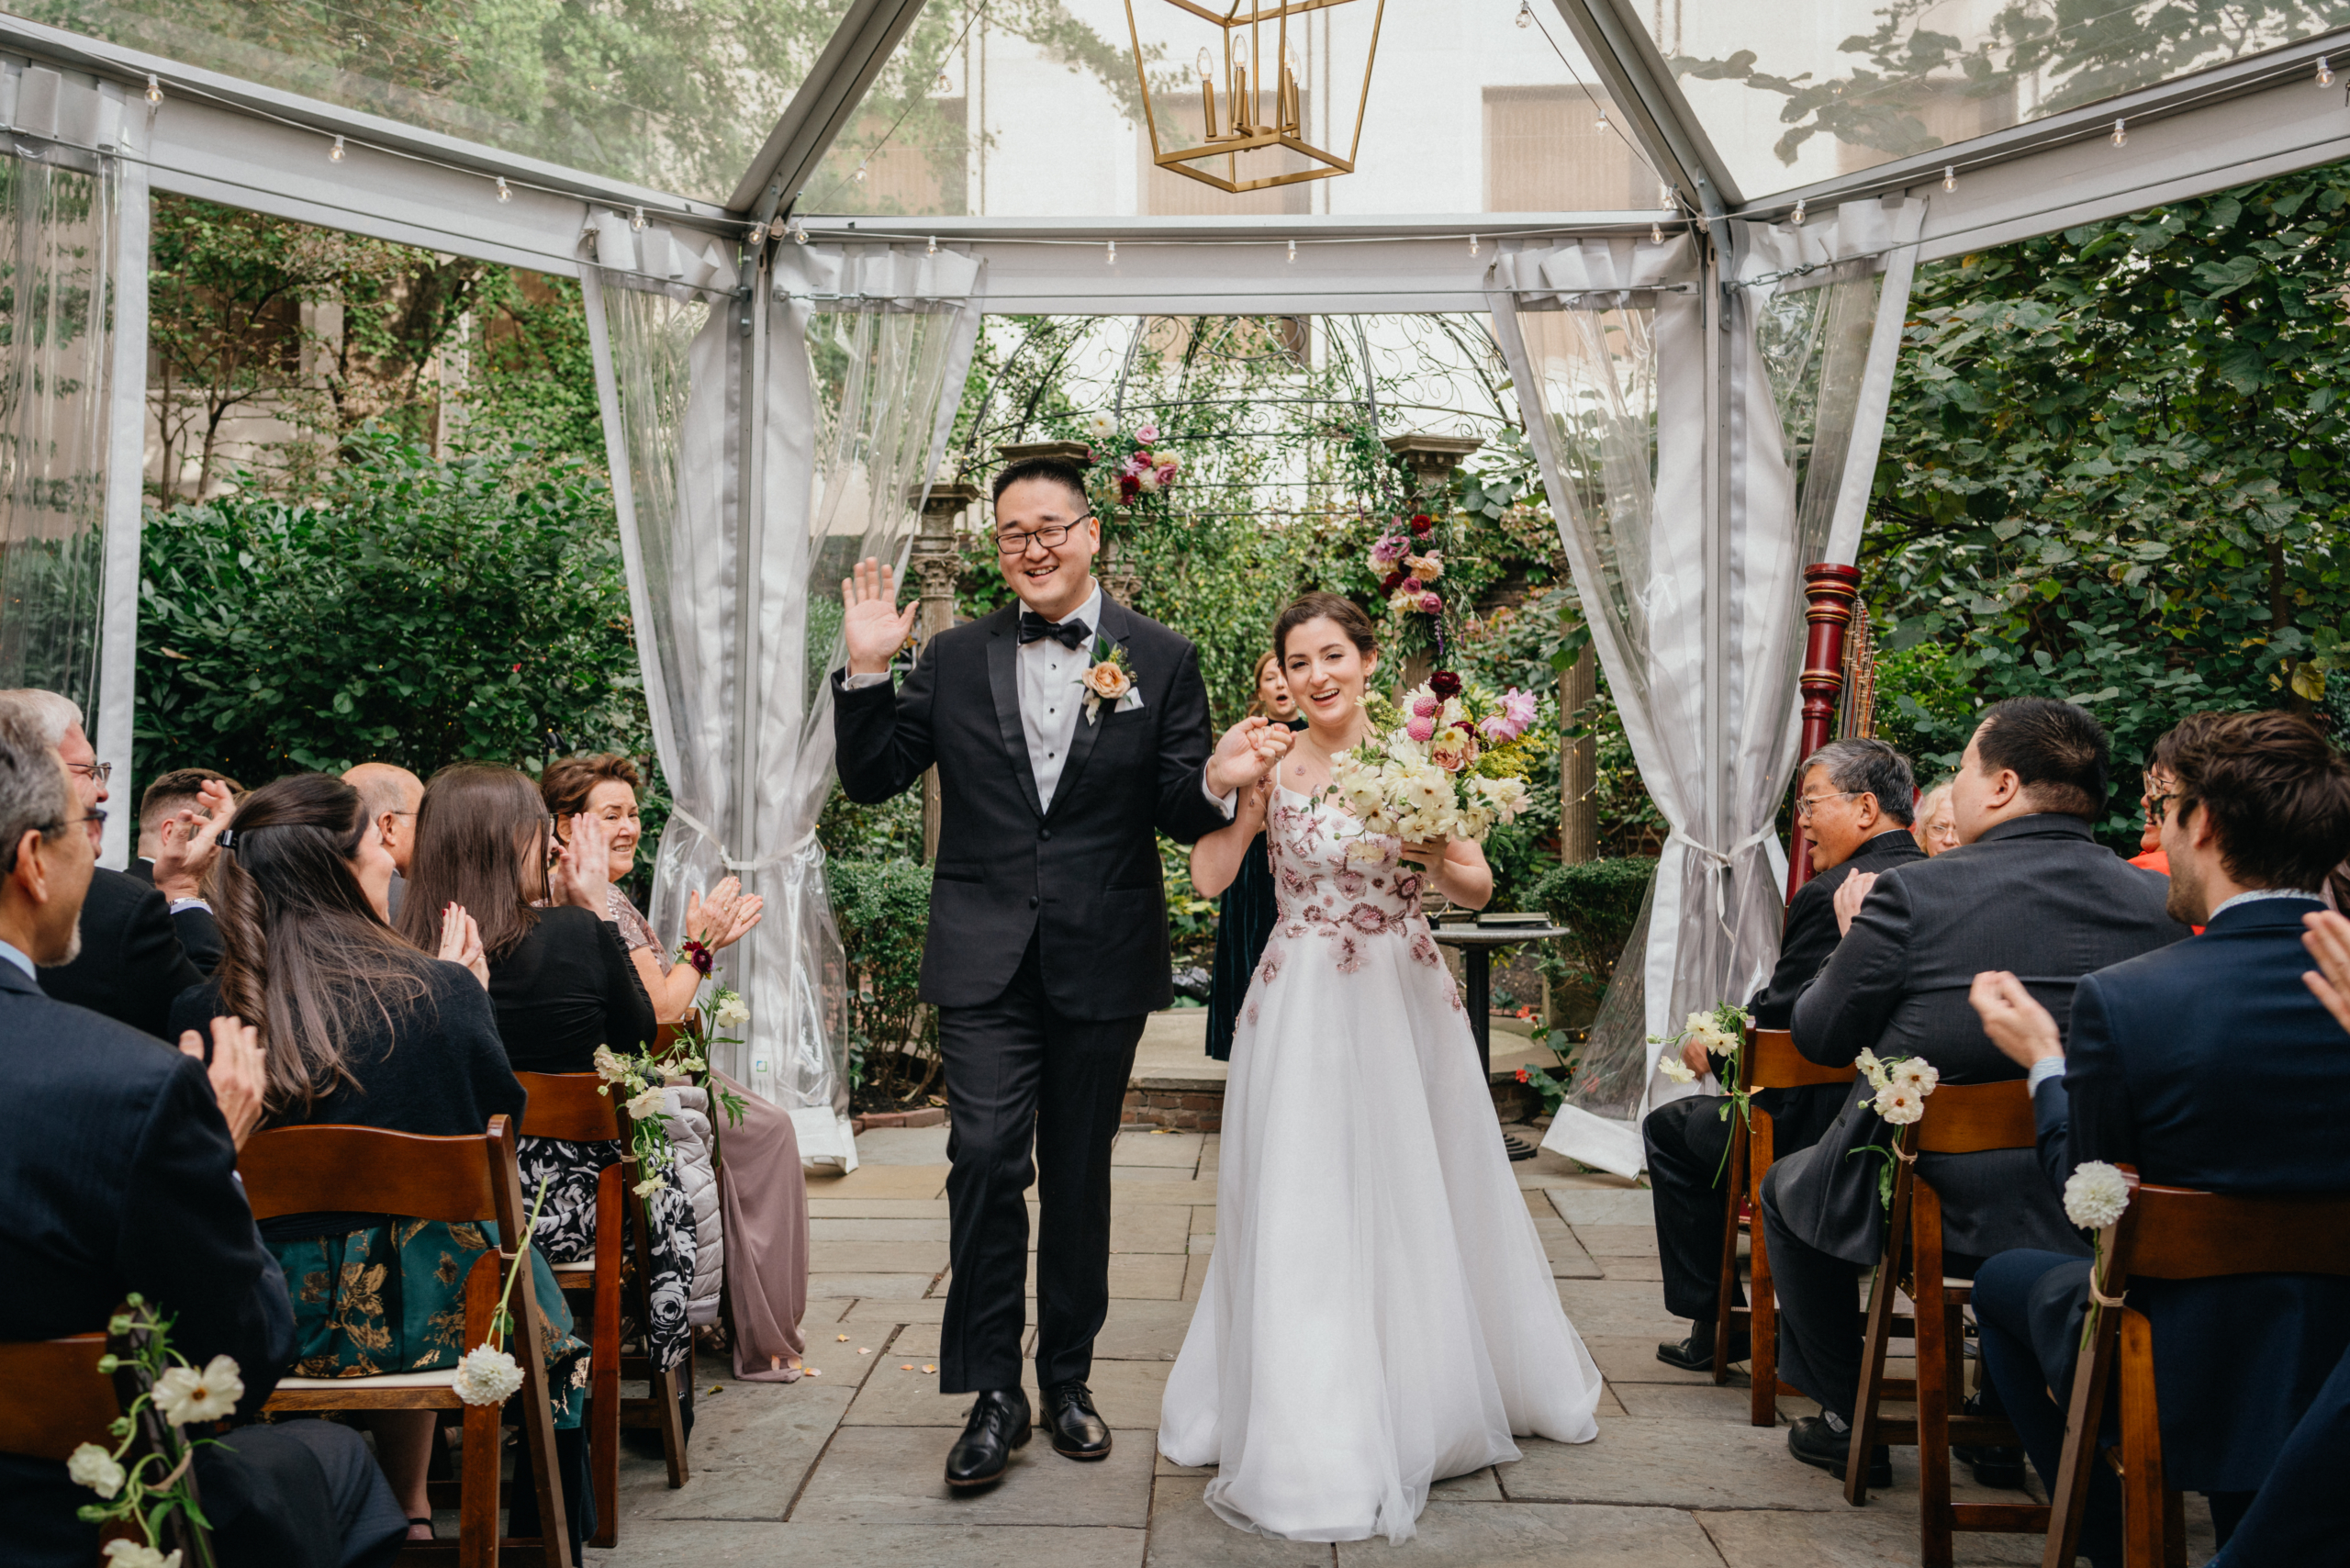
x=1257 y=74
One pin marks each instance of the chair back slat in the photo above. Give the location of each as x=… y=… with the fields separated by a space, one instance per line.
x=1974 y=1118
x=54 y=1398
x=565 y=1106
x=371 y=1171
x=1773 y=1062
x=2177 y=1233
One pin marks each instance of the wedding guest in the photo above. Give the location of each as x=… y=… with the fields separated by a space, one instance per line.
x=128 y=963
x=361 y=1029
x=763 y=1187
x=604 y=787
x=1935 y=828
x=118 y=1171
x=2302 y=1511
x=390 y=795
x=2206 y=1064
x=171 y=810
x=1853 y=808
x=2028 y=888
x=1245 y=916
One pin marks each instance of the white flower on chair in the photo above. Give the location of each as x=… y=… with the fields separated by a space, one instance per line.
x=2094 y=1195
x=135 y=1554
x=92 y=1466
x=189 y=1397
x=487 y=1377
x=1900 y=1103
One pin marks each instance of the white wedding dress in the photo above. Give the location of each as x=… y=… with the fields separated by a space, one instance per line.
x=1378 y=1314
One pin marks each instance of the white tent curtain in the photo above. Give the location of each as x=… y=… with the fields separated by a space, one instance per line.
x=836 y=373
x=68 y=559
x=1610 y=344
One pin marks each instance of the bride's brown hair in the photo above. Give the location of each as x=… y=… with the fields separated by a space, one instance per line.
x=1324 y=607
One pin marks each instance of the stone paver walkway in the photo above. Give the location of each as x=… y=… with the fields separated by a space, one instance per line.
x=843 y=1470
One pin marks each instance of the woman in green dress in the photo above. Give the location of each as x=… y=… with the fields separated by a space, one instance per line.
x=359 y=1028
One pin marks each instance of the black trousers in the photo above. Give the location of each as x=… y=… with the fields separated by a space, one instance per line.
x=1687 y=1141
x=1820 y=1335
x=1033 y=1095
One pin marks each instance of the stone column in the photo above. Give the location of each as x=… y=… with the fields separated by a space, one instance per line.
x=1431 y=459
x=934 y=564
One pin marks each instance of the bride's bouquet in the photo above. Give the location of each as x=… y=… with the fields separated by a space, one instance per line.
x=1450 y=762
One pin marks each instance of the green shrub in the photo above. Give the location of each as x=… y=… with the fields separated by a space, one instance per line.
x=882 y=907
x=1597 y=903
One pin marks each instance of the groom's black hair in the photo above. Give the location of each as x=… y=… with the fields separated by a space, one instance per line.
x=1059 y=470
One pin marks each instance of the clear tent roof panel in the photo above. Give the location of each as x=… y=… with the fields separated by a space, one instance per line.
x=1036 y=112
x=1794 y=95
x=675 y=97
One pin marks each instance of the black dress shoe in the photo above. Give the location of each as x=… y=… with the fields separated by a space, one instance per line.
x=1821 y=1446
x=999 y=1424
x=1993 y=1465
x=1696 y=1352
x=1077 y=1432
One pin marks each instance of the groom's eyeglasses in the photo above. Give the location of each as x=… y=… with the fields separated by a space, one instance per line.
x=1052 y=536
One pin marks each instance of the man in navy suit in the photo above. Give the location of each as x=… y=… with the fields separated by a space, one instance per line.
x=117 y=1173
x=2206 y=1064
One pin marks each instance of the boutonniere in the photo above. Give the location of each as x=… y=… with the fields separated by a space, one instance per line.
x=1109 y=680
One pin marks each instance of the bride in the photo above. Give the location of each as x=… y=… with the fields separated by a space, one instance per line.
x=1378 y=1314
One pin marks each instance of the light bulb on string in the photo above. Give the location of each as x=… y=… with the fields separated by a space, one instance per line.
x=1525 y=14
x=636 y=219
x=1292 y=252
x=335 y=154
x=1799 y=212
x=1472 y=245
x=943 y=85
x=2121 y=136
x=1656 y=233
x=1666 y=200
x=798 y=232
x=930 y=249
x=504 y=192
x=861 y=174
x=1601 y=123
x=2324 y=73
x=1950 y=176
x=1110 y=253
x=155 y=89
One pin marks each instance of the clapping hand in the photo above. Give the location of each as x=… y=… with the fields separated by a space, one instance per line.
x=191 y=840
x=2017 y=1024
x=2328 y=940
x=238 y=1072
x=1248 y=754
x=722 y=919
x=582 y=873
x=1848 y=899
x=461 y=942
x=873 y=626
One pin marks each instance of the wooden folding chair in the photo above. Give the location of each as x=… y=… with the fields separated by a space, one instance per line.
x=461 y=1181
x=566 y=1107
x=54 y=1397
x=2170 y=1233
x=1960 y=1119
x=1769 y=1061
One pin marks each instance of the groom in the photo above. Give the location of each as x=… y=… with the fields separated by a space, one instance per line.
x=1048 y=941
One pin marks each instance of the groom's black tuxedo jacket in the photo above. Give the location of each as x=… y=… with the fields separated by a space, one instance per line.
x=2209 y=1064
x=1086 y=872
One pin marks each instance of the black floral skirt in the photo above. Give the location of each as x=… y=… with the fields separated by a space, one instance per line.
x=566 y=1234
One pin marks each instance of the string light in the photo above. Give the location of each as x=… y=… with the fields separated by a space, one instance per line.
x=798 y=232
x=1666 y=200
x=1525 y=14
x=943 y=85
x=2121 y=136
x=2324 y=73
x=1292 y=252
x=1110 y=253
x=503 y=193
x=759 y=233
x=930 y=249
x=1950 y=176
x=335 y=154
x=861 y=174
x=636 y=220
x=1656 y=233
x=1601 y=123
x=1472 y=245
x=1799 y=212
x=155 y=88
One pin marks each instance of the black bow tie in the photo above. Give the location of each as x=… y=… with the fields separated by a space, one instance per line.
x=1068 y=634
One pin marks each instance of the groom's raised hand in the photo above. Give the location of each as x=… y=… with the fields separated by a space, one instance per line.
x=1248 y=754
x=873 y=627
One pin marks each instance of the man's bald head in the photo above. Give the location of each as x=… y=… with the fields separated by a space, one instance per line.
x=389 y=795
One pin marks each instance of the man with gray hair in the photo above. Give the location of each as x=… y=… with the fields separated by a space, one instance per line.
x=1853 y=808
x=388 y=797
x=131 y=964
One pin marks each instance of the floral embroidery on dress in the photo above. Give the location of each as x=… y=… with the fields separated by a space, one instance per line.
x=1371 y=920
x=1351 y=881
x=1350 y=956
x=1270 y=968
x=1424 y=949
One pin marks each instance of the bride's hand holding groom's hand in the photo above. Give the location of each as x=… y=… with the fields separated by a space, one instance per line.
x=874 y=628
x=1246 y=754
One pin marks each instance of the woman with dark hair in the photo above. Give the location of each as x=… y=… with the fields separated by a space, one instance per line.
x=562 y=985
x=604 y=786
x=1245 y=916
x=1378 y=1314
x=358 y=1028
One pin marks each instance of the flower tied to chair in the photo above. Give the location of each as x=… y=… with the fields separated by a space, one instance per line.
x=1901 y=1085
x=2095 y=1195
